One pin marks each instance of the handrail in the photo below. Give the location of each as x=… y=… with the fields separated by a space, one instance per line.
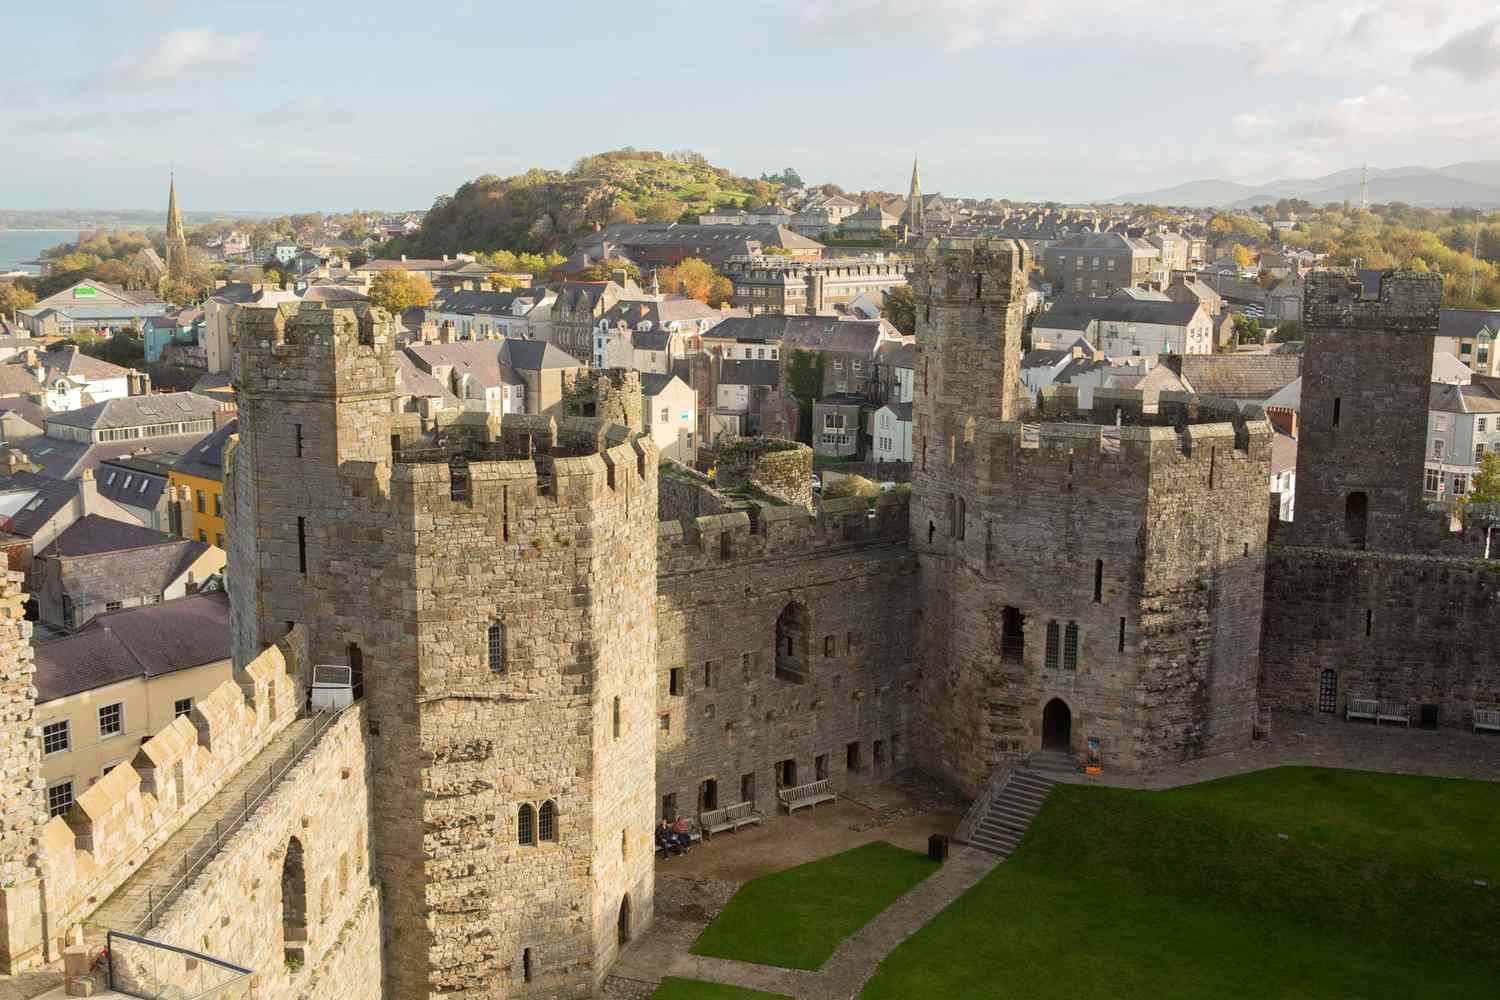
x=117 y=963
x=993 y=786
x=207 y=848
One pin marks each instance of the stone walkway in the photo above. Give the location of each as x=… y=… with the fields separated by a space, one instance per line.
x=128 y=904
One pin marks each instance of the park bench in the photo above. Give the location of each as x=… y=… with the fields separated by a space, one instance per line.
x=694 y=835
x=811 y=794
x=1487 y=718
x=730 y=818
x=1393 y=711
x=1362 y=708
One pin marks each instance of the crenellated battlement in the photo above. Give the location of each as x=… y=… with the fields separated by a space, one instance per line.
x=122 y=818
x=1135 y=425
x=971 y=269
x=1407 y=301
x=313 y=349
x=770 y=531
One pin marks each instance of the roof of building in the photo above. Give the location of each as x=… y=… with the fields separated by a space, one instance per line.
x=146 y=641
x=33 y=413
x=1159 y=379
x=808 y=333
x=52 y=495
x=1283 y=453
x=741 y=371
x=1288 y=397
x=206 y=458
x=1447 y=368
x=901 y=410
x=1044 y=357
x=1141 y=294
x=79 y=366
x=140 y=411
x=654 y=383
x=332 y=293
x=844 y=399
x=898 y=355
x=660 y=312
x=465 y=302
x=107 y=560
x=1076 y=312
x=482 y=360
x=536 y=355
x=1240 y=376
x=1476 y=398
x=1103 y=241
x=137 y=482
x=1468 y=322
x=413 y=379
x=69 y=459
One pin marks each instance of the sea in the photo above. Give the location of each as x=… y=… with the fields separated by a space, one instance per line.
x=19 y=248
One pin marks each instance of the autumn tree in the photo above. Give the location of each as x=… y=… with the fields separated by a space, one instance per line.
x=692 y=277
x=900 y=308
x=622 y=212
x=1242 y=256
x=663 y=209
x=1485 y=486
x=720 y=291
x=13 y=297
x=398 y=290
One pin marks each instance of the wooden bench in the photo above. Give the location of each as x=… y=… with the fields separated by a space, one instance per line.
x=811 y=794
x=1362 y=708
x=1487 y=718
x=694 y=835
x=1392 y=711
x=730 y=818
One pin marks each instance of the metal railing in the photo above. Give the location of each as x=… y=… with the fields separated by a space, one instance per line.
x=993 y=786
x=169 y=887
x=140 y=967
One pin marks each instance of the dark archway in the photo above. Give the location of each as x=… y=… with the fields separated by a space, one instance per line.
x=793 y=639
x=294 y=901
x=624 y=929
x=1357 y=517
x=1057 y=726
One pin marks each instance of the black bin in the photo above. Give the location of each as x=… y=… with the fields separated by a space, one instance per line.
x=937 y=847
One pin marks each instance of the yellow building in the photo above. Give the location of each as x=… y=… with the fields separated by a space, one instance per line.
x=201 y=473
x=106 y=690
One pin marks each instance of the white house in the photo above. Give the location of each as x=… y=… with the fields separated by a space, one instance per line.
x=524 y=314
x=892 y=433
x=1126 y=327
x=671 y=408
x=1463 y=424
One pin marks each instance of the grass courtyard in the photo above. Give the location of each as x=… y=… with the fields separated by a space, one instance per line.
x=797 y=918
x=673 y=988
x=1293 y=882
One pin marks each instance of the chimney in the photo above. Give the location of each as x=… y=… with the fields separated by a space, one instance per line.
x=446 y=333
x=88 y=493
x=1284 y=420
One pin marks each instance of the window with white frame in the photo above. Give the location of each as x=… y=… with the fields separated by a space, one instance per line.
x=56 y=737
x=111 y=720
x=59 y=798
x=181 y=707
x=1433 y=481
x=1460 y=484
x=1437 y=448
x=1478 y=453
x=833 y=421
x=1480 y=424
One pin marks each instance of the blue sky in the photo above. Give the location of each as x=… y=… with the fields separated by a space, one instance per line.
x=264 y=105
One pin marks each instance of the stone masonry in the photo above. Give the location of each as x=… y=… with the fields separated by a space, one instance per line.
x=22 y=808
x=1082 y=576
x=1368 y=594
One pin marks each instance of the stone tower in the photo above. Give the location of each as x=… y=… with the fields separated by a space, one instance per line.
x=1363 y=428
x=176 y=239
x=1084 y=574
x=914 y=203
x=22 y=807
x=493 y=586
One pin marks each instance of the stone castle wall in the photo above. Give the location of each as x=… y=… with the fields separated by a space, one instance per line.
x=22 y=806
x=780 y=469
x=236 y=908
x=1402 y=608
x=725 y=712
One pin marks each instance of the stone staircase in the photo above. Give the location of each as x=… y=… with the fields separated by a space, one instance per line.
x=1011 y=811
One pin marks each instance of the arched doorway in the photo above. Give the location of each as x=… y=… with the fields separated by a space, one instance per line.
x=624 y=931
x=294 y=901
x=793 y=641
x=1057 y=726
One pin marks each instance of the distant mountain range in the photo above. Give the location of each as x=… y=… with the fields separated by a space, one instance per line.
x=1475 y=184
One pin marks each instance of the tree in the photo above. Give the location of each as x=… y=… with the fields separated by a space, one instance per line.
x=1246 y=329
x=609 y=270
x=622 y=212
x=398 y=290
x=1485 y=486
x=1289 y=331
x=357 y=257
x=663 y=209
x=692 y=277
x=178 y=293
x=900 y=308
x=851 y=486
x=13 y=297
x=1242 y=256
x=804 y=377
x=720 y=291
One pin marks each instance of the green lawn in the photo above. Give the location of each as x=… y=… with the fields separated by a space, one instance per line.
x=673 y=988
x=1194 y=893
x=796 y=918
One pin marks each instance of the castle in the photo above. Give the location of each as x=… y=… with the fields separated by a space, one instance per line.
x=551 y=643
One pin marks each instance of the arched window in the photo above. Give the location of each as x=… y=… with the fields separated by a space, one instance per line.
x=526 y=824
x=1070 y=646
x=495 y=647
x=617 y=717
x=1054 y=644
x=547 y=822
x=294 y=901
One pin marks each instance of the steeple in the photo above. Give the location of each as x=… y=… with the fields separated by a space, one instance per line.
x=914 y=203
x=176 y=241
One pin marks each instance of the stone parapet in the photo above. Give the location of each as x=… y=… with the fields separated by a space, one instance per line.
x=117 y=823
x=22 y=809
x=1409 y=301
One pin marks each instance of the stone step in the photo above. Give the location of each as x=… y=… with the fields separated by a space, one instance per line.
x=1007 y=820
x=992 y=846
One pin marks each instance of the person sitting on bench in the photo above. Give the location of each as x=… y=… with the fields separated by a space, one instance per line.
x=681 y=833
x=666 y=840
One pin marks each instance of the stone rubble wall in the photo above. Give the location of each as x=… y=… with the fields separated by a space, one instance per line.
x=781 y=469
x=233 y=910
x=764 y=533
x=124 y=817
x=684 y=494
x=22 y=803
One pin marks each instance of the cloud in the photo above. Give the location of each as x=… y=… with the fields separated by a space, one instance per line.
x=175 y=56
x=1249 y=123
x=1472 y=55
x=98 y=121
x=1383 y=114
x=315 y=110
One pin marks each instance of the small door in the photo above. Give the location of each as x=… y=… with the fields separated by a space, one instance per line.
x=1328 y=692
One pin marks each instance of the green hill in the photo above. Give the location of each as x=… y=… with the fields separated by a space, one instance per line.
x=544 y=210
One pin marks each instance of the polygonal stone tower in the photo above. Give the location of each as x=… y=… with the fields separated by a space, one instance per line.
x=493 y=586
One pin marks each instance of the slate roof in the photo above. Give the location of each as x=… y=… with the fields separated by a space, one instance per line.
x=33 y=413
x=474 y=303
x=139 y=411
x=652 y=383
x=1103 y=241
x=749 y=372
x=134 y=481
x=894 y=355
x=147 y=641
x=1468 y=322
x=75 y=364
x=1075 y=312
x=536 y=355
x=1043 y=357
x=106 y=560
x=69 y=459
x=1476 y=398
x=670 y=309
x=415 y=380
x=332 y=293
x=805 y=333
x=1240 y=376
x=901 y=410
x=481 y=359
x=650 y=340
x=1283 y=453
x=206 y=458
x=52 y=495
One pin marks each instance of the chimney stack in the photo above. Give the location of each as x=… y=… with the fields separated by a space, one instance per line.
x=88 y=493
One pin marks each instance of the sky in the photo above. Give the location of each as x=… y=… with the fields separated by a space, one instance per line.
x=265 y=105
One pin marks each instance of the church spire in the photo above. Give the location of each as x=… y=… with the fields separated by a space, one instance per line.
x=176 y=241
x=914 y=202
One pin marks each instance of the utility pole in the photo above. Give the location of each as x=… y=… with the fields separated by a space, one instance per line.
x=1364 y=188
x=1474 y=267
